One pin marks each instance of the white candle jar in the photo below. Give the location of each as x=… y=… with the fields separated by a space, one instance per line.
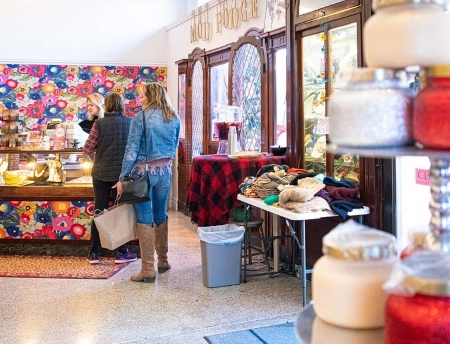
x=371 y=107
x=407 y=33
x=347 y=281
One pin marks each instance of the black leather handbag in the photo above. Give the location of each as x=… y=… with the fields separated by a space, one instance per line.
x=136 y=190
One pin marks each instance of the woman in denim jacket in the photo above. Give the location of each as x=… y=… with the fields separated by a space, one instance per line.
x=161 y=141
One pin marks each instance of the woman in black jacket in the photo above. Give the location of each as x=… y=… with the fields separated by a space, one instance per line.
x=108 y=140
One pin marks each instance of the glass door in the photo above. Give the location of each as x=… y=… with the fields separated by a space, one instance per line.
x=325 y=51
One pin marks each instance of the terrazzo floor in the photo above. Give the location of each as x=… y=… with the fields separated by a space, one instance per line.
x=178 y=308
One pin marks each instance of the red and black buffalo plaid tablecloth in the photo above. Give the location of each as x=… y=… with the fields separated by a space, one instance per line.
x=214 y=185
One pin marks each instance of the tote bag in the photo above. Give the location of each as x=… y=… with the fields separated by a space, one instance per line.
x=116 y=225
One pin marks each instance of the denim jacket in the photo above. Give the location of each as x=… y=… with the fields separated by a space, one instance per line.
x=162 y=139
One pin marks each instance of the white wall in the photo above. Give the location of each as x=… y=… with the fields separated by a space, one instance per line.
x=102 y=32
x=179 y=36
x=412 y=199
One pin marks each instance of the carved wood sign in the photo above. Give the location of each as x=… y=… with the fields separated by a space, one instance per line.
x=225 y=17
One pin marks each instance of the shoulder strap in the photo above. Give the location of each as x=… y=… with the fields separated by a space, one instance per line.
x=145 y=137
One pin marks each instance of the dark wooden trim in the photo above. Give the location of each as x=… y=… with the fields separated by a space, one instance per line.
x=182 y=66
x=256 y=42
x=324 y=13
x=294 y=130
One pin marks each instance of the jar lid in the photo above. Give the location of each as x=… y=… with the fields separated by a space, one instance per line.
x=439 y=71
x=359 y=245
x=385 y=3
x=428 y=272
x=347 y=76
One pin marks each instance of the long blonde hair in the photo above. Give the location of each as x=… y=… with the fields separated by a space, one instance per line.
x=158 y=98
x=98 y=100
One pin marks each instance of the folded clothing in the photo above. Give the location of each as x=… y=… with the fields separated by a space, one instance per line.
x=304 y=192
x=313 y=205
x=271 y=168
x=301 y=176
x=340 y=183
x=343 y=193
x=342 y=208
x=267 y=184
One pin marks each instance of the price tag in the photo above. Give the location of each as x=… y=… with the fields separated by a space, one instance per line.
x=422 y=177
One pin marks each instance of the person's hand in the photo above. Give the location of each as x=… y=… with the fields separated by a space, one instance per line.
x=118 y=186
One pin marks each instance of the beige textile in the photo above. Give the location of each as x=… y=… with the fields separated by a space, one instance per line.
x=305 y=191
x=315 y=204
x=267 y=184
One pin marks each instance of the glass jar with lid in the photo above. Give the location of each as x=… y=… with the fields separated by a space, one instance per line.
x=417 y=310
x=371 y=107
x=347 y=280
x=407 y=33
x=431 y=115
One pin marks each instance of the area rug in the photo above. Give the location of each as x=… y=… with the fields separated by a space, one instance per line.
x=57 y=267
x=275 y=334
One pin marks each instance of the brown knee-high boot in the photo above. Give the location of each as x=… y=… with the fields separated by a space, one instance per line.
x=162 y=238
x=147 y=245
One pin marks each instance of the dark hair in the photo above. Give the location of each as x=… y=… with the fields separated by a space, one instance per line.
x=114 y=103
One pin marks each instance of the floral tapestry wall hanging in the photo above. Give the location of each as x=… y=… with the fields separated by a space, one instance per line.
x=43 y=92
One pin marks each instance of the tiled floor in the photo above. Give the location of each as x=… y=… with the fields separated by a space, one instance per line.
x=178 y=308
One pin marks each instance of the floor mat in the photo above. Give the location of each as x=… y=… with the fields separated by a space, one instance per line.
x=275 y=334
x=57 y=267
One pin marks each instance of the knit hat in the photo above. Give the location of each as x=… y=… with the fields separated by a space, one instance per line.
x=304 y=192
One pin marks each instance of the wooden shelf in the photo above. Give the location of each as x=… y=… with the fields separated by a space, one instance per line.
x=23 y=151
x=390 y=151
x=68 y=192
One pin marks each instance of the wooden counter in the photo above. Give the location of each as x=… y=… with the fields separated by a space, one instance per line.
x=47 y=193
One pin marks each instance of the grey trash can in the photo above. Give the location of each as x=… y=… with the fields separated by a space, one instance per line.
x=221 y=248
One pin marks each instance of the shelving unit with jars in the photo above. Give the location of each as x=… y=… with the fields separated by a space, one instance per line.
x=11 y=124
x=416 y=310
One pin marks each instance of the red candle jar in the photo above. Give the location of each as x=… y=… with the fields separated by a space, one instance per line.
x=424 y=316
x=431 y=118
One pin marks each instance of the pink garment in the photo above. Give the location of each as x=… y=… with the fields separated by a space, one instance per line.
x=152 y=165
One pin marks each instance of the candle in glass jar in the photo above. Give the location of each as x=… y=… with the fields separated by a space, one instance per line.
x=418 y=312
x=374 y=106
x=431 y=115
x=407 y=33
x=347 y=281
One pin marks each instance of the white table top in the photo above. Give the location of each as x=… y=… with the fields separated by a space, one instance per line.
x=290 y=215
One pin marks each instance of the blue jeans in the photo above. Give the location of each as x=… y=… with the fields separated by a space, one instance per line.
x=155 y=210
x=102 y=193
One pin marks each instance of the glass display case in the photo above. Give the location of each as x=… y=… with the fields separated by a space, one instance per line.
x=324 y=53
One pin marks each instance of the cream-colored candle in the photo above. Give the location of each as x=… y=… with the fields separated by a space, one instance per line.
x=347 y=281
x=407 y=33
